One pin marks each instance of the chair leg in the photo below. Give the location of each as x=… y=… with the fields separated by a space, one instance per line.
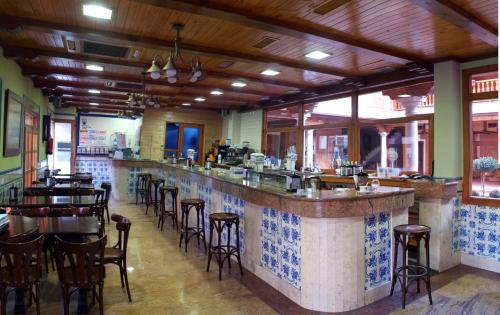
x=3 y=301
x=182 y=226
x=210 y=247
x=395 y=264
x=238 y=247
x=101 y=298
x=121 y=275
x=46 y=262
x=219 y=250
x=228 y=253
x=37 y=298
x=65 y=301
x=107 y=213
x=126 y=280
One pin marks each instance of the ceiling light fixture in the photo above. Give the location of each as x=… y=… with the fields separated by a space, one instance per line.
x=200 y=99
x=186 y=104
x=317 y=54
x=97 y=11
x=404 y=95
x=239 y=84
x=270 y=72
x=142 y=100
x=93 y=104
x=94 y=91
x=216 y=92
x=94 y=67
x=170 y=68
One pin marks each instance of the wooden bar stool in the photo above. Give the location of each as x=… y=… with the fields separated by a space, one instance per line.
x=140 y=186
x=186 y=231
x=163 y=213
x=222 y=252
x=408 y=273
x=152 y=198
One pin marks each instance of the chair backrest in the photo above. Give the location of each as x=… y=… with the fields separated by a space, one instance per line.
x=63 y=212
x=35 y=212
x=20 y=263
x=80 y=264
x=123 y=225
x=107 y=191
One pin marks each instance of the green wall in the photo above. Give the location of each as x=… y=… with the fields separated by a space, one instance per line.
x=448 y=119
x=12 y=79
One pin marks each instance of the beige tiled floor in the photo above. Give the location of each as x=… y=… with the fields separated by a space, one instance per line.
x=164 y=279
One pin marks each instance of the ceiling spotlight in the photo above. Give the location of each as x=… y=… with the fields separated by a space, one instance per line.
x=93 y=104
x=239 y=84
x=186 y=104
x=94 y=91
x=97 y=11
x=200 y=99
x=216 y=92
x=404 y=95
x=317 y=54
x=94 y=67
x=270 y=72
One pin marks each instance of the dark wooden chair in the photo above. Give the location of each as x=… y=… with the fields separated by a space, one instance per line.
x=165 y=210
x=80 y=266
x=107 y=194
x=20 y=269
x=152 y=194
x=117 y=254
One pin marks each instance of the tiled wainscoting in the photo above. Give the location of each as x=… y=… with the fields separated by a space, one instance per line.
x=280 y=237
x=100 y=169
x=132 y=180
x=377 y=250
x=235 y=205
x=476 y=231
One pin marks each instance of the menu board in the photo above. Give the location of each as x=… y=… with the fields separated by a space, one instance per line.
x=92 y=137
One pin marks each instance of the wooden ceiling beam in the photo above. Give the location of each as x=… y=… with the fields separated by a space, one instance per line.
x=317 y=33
x=456 y=15
x=80 y=73
x=33 y=53
x=110 y=37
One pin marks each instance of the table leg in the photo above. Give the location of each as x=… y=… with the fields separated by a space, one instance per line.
x=19 y=306
x=83 y=306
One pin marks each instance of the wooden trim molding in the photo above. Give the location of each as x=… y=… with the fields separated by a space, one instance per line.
x=467 y=98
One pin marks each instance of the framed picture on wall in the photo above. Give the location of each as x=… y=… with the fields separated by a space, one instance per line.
x=13 y=124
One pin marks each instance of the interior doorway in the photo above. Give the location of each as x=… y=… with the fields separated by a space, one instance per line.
x=180 y=137
x=30 y=147
x=63 y=156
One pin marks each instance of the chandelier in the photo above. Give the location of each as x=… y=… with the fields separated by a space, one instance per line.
x=143 y=99
x=128 y=114
x=170 y=69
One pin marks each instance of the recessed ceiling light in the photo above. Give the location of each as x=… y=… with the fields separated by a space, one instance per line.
x=97 y=11
x=93 y=104
x=317 y=54
x=94 y=67
x=216 y=92
x=200 y=99
x=270 y=72
x=94 y=91
x=404 y=95
x=186 y=104
x=239 y=84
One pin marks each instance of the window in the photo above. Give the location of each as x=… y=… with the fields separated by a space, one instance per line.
x=405 y=146
x=325 y=148
x=277 y=142
x=482 y=136
x=328 y=112
x=283 y=117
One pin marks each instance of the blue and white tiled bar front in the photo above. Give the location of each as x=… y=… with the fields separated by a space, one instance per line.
x=327 y=264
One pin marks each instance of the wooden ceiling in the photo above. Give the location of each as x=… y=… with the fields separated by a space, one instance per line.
x=369 y=41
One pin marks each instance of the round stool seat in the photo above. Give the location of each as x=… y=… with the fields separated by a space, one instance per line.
x=168 y=188
x=223 y=216
x=412 y=229
x=192 y=201
x=144 y=174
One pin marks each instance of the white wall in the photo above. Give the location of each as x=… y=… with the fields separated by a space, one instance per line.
x=241 y=127
x=112 y=124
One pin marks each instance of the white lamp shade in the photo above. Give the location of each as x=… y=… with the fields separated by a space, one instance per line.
x=193 y=78
x=169 y=68
x=155 y=75
x=172 y=79
x=154 y=69
x=157 y=105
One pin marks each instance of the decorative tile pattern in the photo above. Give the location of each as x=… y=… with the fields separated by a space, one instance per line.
x=235 y=205
x=205 y=193
x=132 y=179
x=280 y=240
x=185 y=189
x=171 y=178
x=476 y=230
x=377 y=250
x=16 y=182
x=100 y=170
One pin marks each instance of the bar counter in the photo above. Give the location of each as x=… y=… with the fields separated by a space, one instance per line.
x=328 y=252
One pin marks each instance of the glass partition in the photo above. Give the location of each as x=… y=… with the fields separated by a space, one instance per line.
x=328 y=112
x=325 y=148
x=277 y=142
x=282 y=117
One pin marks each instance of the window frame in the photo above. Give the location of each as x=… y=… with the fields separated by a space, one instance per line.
x=467 y=99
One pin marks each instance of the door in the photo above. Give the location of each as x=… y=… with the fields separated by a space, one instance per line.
x=30 y=148
x=180 y=137
x=63 y=156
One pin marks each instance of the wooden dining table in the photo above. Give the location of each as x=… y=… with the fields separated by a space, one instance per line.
x=48 y=201
x=21 y=225
x=62 y=189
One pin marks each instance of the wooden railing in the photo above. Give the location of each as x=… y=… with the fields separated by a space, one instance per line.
x=481 y=86
x=427 y=101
